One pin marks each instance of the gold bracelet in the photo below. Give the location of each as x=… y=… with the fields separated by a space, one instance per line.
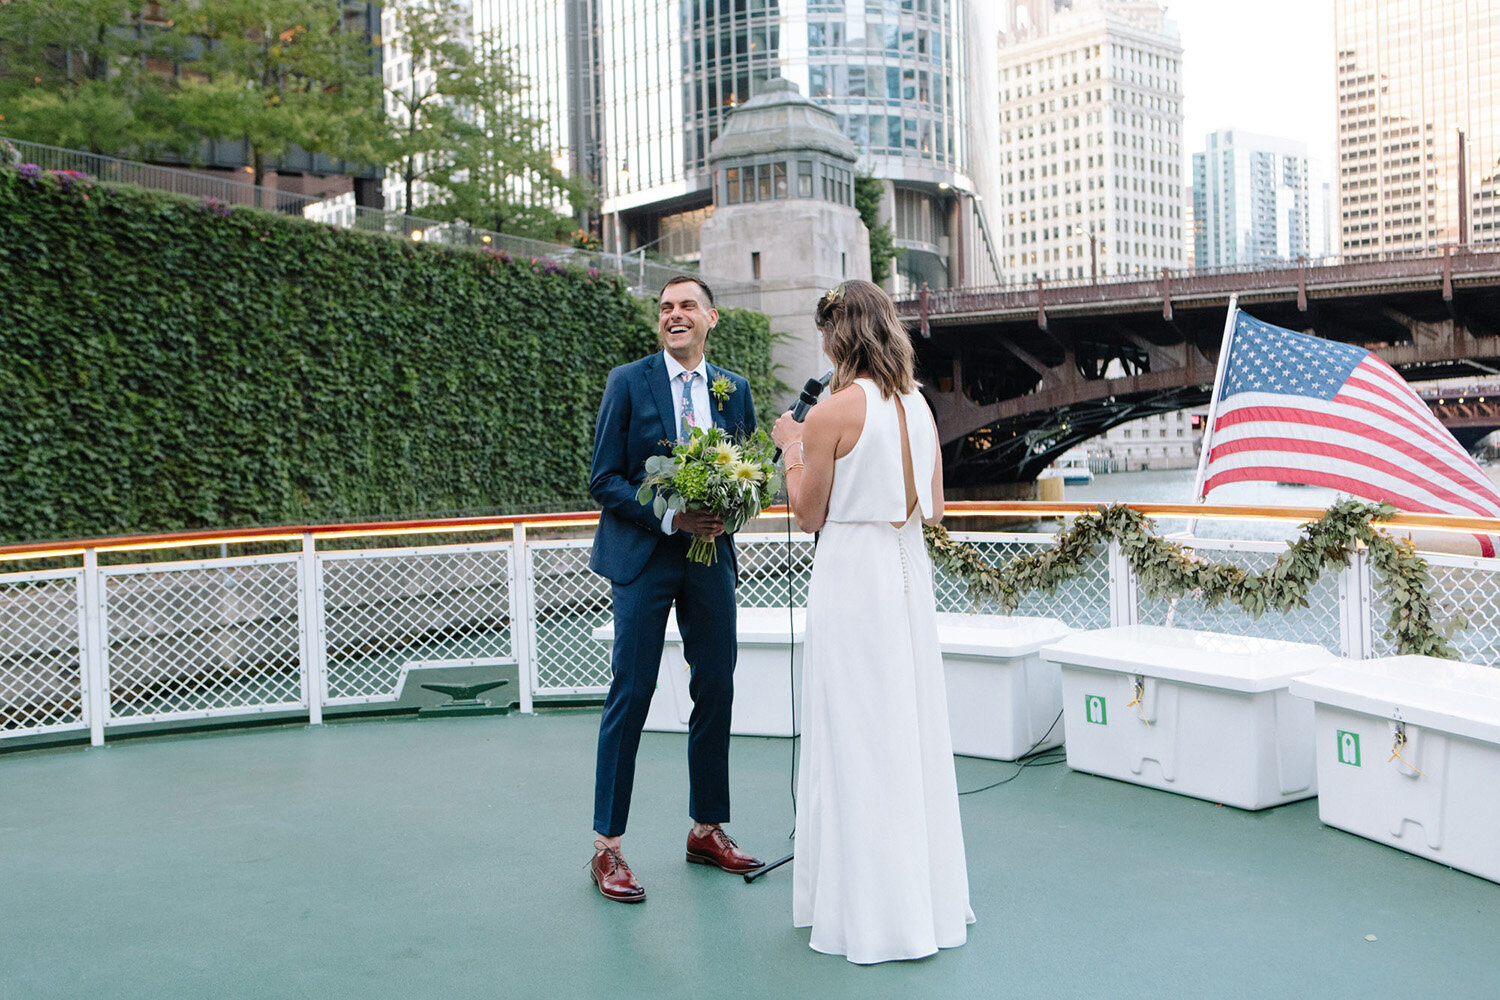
x=795 y=465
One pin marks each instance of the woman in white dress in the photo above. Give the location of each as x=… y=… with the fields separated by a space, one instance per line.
x=879 y=873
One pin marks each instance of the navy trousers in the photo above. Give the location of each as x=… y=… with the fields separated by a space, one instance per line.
x=704 y=596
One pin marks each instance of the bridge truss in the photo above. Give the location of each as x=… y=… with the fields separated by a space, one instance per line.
x=1016 y=376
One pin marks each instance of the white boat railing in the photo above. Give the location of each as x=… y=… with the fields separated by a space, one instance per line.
x=92 y=648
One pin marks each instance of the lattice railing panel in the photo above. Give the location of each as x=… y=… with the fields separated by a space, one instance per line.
x=1467 y=594
x=1318 y=623
x=41 y=665
x=766 y=562
x=569 y=601
x=1082 y=602
x=385 y=609
x=205 y=639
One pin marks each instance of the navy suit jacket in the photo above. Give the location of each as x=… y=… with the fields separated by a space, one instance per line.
x=638 y=419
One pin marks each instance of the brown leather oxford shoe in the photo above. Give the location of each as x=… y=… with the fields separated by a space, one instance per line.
x=614 y=878
x=717 y=849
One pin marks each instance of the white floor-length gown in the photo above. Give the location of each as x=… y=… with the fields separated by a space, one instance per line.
x=879 y=872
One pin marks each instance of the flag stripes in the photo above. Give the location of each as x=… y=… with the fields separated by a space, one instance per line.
x=1298 y=409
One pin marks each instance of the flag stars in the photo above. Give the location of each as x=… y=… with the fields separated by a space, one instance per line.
x=1264 y=358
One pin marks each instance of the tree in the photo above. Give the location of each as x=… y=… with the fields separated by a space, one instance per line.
x=505 y=179
x=868 y=192
x=276 y=73
x=78 y=73
x=454 y=125
x=426 y=97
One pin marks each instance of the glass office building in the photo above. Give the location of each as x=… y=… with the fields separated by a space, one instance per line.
x=641 y=88
x=1418 y=85
x=1251 y=200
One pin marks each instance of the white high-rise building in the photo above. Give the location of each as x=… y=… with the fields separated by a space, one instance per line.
x=1090 y=172
x=1252 y=199
x=636 y=91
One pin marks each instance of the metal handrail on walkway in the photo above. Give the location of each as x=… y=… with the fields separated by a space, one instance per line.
x=91 y=648
x=1153 y=278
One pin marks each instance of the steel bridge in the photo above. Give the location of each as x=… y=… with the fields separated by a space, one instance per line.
x=1017 y=375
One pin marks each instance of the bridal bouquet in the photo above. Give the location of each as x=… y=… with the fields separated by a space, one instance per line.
x=711 y=472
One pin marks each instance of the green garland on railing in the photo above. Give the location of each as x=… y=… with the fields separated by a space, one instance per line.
x=1168 y=568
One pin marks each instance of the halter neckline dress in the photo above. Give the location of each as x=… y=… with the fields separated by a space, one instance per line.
x=879 y=872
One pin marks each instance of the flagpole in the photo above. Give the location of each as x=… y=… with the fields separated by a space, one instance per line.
x=1213 y=402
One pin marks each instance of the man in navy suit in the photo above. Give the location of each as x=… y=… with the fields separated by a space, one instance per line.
x=648 y=405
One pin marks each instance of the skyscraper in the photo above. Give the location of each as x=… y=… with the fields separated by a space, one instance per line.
x=1419 y=122
x=1251 y=200
x=1091 y=139
x=641 y=88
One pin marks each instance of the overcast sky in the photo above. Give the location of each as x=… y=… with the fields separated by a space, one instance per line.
x=1264 y=66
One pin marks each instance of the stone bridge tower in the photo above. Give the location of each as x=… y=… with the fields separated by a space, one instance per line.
x=784 y=217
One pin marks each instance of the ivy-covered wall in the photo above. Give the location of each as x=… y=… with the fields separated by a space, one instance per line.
x=169 y=364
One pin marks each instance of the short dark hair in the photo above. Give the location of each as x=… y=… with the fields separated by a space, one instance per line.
x=679 y=279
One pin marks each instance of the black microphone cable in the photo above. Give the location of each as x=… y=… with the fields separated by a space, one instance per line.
x=791 y=661
x=1025 y=760
x=806 y=400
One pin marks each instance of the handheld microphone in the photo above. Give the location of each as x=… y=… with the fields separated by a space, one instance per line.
x=809 y=397
x=806 y=400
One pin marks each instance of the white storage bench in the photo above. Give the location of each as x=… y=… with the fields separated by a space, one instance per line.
x=766 y=675
x=1003 y=697
x=1198 y=713
x=1409 y=755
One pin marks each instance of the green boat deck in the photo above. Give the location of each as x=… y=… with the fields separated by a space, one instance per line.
x=447 y=858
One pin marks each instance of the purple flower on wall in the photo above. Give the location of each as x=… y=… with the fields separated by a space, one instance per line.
x=213 y=206
x=29 y=171
x=66 y=179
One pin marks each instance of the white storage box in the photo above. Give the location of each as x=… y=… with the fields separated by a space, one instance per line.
x=766 y=674
x=1003 y=697
x=1198 y=713
x=1437 y=798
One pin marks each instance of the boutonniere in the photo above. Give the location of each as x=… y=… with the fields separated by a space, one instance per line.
x=721 y=389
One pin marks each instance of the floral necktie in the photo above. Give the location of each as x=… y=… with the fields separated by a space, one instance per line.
x=687 y=423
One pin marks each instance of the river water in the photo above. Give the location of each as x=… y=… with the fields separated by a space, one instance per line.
x=1176 y=486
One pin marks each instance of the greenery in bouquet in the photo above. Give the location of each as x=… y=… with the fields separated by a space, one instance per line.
x=712 y=472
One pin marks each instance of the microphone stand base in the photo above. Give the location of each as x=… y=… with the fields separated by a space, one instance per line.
x=752 y=876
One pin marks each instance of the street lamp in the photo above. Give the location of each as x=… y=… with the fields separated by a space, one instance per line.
x=622 y=178
x=1093 y=252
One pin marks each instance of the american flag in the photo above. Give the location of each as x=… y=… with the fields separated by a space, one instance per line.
x=1299 y=409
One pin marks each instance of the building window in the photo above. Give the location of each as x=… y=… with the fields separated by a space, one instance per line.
x=804 y=179
x=755 y=264
x=732 y=186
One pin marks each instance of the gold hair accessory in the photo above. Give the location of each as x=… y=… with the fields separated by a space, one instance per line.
x=835 y=294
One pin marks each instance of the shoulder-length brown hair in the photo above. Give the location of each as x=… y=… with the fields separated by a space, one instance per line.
x=862 y=333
